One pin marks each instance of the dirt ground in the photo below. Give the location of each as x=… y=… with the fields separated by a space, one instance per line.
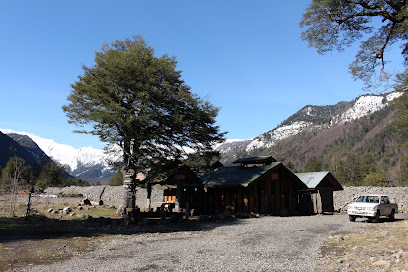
x=368 y=247
x=53 y=237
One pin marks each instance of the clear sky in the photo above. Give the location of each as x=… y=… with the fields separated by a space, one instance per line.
x=246 y=57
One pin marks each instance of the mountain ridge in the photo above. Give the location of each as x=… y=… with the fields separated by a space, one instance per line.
x=85 y=163
x=292 y=135
x=309 y=119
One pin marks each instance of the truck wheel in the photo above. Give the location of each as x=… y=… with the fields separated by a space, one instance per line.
x=376 y=218
x=352 y=218
x=392 y=215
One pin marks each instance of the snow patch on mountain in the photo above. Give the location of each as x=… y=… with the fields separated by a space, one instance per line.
x=72 y=158
x=361 y=107
x=365 y=105
x=278 y=134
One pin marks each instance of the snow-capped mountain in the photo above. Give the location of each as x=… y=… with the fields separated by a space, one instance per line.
x=87 y=163
x=92 y=164
x=309 y=118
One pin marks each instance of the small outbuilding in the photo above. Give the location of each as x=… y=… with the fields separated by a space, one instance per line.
x=318 y=197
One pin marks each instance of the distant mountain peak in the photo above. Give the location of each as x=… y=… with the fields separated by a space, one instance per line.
x=87 y=163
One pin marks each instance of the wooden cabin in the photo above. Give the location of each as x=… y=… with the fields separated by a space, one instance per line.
x=318 y=197
x=181 y=186
x=258 y=184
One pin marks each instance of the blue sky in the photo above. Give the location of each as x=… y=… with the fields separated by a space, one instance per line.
x=246 y=57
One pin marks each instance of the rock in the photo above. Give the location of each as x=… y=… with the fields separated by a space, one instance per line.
x=120 y=209
x=373 y=259
x=50 y=210
x=66 y=210
x=382 y=263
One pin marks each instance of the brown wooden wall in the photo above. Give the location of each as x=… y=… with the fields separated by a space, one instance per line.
x=269 y=194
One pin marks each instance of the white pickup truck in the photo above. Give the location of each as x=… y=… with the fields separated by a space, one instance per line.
x=372 y=207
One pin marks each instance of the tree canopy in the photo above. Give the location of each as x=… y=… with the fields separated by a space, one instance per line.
x=401 y=106
x=313 y=164
x=138 y=101
x=334 y=24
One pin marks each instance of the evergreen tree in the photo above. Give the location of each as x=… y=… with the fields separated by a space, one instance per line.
x=401 y=105
x=375 y=179
x=116 y=180
x=138 y=101
x=52 y=175
x=28 y=175
x=338 y=169
x=76 y=182
x=354 y=171
x=313 y=164
x=368 y=165
x=403 y=175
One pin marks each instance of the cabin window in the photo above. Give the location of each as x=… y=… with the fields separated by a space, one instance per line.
x=169 y=196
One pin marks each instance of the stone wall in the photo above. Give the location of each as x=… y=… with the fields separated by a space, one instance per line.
x=114 y=195
x=396 y=194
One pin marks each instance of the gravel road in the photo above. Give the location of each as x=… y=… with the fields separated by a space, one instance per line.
x=258 y=244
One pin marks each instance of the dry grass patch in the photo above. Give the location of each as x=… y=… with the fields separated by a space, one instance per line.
x=43 y=251
x=374 y=247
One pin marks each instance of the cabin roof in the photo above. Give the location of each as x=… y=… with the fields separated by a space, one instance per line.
x=236 y=175
x=256 y=160
x=313 y=179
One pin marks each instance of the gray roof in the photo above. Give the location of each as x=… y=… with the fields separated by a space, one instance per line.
x=313 y=179
x=236 y=175
x=256 y=160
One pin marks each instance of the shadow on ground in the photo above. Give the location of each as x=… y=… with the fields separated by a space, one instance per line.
x=15 y=229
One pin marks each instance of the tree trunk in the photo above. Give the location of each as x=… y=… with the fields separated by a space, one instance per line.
x=129 y=182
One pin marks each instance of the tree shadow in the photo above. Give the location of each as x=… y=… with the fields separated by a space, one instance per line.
x=40 y=227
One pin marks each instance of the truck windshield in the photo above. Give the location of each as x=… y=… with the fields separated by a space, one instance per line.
x=368 y=199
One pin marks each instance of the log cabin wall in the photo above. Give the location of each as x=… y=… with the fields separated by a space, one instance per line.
x=274 y=191
x=188 y=189
x=321 y=186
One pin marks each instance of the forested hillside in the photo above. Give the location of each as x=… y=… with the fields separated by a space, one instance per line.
x=358 y=151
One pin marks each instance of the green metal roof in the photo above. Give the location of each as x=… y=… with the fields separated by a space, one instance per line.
x=313 y=179
x=210 y=163
x=256 y=160
x=236 y=175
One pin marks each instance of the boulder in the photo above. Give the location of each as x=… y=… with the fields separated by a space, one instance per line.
x=66 y=210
